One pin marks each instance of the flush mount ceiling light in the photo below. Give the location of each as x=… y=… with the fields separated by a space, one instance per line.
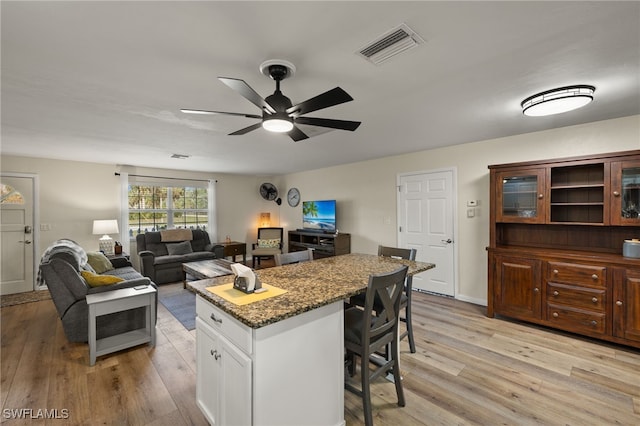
x=557 y=101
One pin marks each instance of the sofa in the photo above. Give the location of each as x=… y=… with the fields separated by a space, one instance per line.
x=162 y=253
x=63 y=269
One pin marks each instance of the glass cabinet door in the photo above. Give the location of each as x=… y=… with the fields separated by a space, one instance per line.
x=520 y=196
x=625 y=191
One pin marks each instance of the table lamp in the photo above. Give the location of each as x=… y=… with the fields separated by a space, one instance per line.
x=105 y=227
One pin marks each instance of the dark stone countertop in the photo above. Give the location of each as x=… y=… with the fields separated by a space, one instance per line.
x=309 y=285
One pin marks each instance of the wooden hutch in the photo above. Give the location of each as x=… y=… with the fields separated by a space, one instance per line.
x=556 y=238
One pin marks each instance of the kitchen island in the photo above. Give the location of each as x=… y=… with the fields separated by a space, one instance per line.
x=281 y=360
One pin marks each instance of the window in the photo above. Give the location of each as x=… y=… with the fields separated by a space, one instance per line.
x=154 y=207
x=9 y=195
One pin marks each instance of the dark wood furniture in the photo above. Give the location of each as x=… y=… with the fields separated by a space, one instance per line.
x=323 y=245
x=556 y=233
x=233 y=249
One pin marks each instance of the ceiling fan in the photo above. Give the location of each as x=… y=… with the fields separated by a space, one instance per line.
x=278 y=113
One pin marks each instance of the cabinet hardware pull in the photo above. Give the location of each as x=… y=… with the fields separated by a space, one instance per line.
x=594 y=322
x=616 y=193
x=619 y=303
x=213 y=317
x=555 y=272
x=555 y=315
x=555 y=293
x=217 y=356
x=212 y=352
x=594 y=276
x=594 y=300
x=536 y=290
x=540 y=196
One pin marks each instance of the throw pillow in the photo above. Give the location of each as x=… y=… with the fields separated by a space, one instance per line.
x=180 y=248
x=99 y=262
x=272 y=243
x=95 y=280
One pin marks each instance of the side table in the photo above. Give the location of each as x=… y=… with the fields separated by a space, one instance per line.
x=235 y=248
x=116 y=301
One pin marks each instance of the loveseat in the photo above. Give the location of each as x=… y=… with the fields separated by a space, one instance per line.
x=162 y=253
x=62 y=268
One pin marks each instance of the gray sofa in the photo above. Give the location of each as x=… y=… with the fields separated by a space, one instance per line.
x=161 y=266
x=61 y=274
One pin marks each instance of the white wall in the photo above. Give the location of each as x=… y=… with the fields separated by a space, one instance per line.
x=73 y=194
x=366 y=191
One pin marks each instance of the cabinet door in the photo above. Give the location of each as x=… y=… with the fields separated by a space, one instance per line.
x=626 y=304
x=625 y=193
x=207 y=372
x=236 y=402
x=517 y=287
x=520 y=196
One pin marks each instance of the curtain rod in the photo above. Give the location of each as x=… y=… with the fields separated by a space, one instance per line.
x=172 y=178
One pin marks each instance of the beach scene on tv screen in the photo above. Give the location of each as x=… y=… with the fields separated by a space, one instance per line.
x=320 y=215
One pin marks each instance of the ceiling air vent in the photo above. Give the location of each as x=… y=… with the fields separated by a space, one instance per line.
x=390 y=44
x=180 y=156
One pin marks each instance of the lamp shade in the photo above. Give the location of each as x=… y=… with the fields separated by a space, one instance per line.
x=105 y=227
x=265 y=219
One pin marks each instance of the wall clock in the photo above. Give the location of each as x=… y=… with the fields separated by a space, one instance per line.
x=293 y=197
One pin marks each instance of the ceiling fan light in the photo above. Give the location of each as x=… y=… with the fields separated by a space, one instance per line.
x=557 y=101
x=277 y=125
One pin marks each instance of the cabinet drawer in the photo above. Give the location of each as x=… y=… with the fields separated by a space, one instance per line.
x=233 y=250
x=572 y=273
x=576 y=320
x=238 y=333
x=582 y=297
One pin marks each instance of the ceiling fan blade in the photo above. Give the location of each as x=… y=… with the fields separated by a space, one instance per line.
x=326 y=122
x=296 y=134
x=246 y=129
x=200 y=111
x=327 y=99
x=247 y=92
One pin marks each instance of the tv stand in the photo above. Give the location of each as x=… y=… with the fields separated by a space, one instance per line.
x=323 y=244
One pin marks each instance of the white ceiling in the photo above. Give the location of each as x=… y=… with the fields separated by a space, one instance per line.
x=104 y=81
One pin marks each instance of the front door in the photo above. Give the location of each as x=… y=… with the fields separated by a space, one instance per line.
x=425 y=219
x=16 y=234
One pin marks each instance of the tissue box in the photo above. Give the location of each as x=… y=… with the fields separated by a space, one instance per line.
x=240 y=283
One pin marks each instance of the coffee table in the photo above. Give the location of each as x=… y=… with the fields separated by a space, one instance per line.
x=204 y=269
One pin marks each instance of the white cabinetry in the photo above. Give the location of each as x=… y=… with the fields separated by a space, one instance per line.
x=290 y=372
x=223 y=387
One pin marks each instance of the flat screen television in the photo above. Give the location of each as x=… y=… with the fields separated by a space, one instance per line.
x=319 y=215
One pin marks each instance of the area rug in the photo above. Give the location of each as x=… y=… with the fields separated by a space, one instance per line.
x=182 y=305
x=26 y=297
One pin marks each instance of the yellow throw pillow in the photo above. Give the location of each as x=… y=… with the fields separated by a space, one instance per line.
x=99 y=262
x=95 y=280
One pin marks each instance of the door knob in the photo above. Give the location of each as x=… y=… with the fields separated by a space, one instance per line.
x=26 y=242
x=447 y=241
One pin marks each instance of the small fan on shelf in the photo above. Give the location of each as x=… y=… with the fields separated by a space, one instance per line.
x=278 y=113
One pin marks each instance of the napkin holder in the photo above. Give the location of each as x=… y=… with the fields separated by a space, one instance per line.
x=240 y=283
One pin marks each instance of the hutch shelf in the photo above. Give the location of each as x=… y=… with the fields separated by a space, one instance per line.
x=557 y=228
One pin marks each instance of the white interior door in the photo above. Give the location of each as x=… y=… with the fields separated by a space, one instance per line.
x=426 y=223
x=16 y=234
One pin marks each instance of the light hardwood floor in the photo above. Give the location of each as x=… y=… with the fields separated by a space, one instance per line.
x=468 y=369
